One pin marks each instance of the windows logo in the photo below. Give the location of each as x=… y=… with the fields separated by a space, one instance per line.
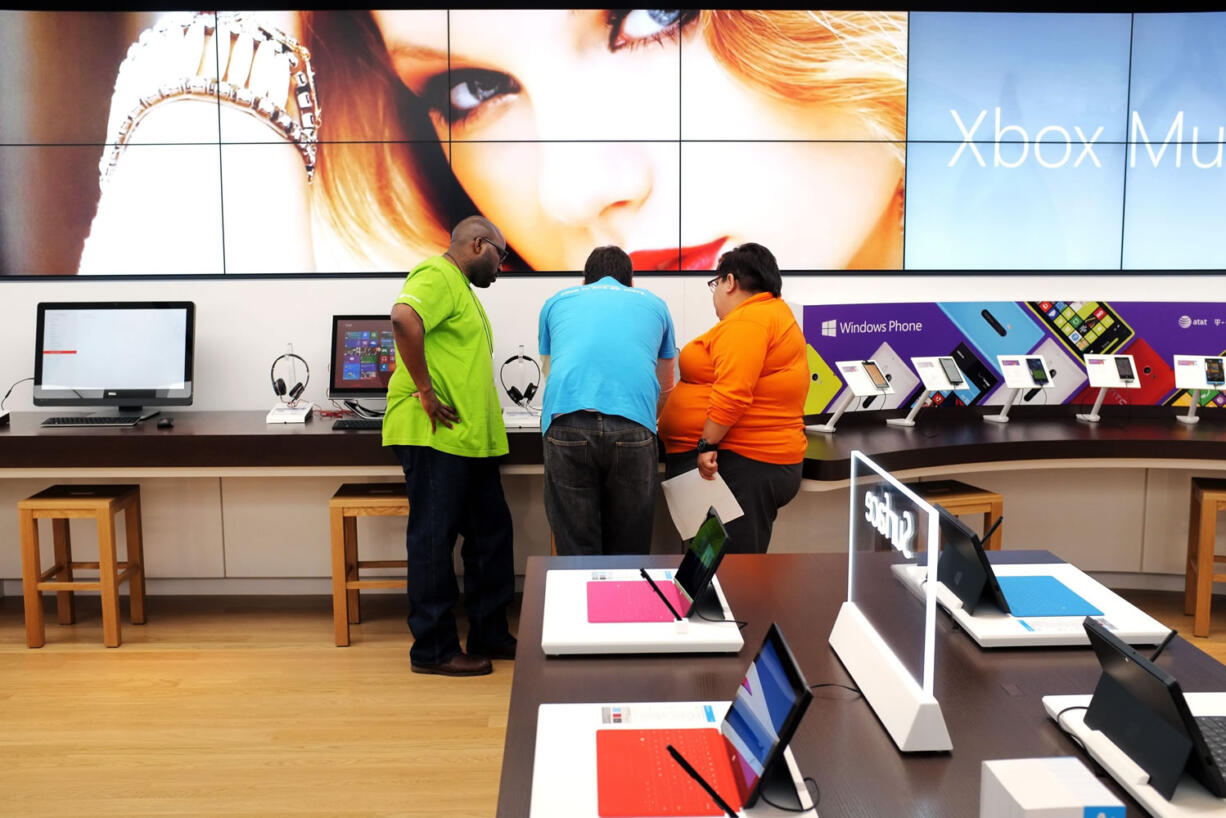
x=830 y=328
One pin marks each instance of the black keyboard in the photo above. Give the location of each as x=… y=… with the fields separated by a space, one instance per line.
x=1213 y=728
x=358 y=424
x=93 y=420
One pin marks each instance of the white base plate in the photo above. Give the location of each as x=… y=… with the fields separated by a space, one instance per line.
x=564 y=768
x=912 y=717
x=285 y=413
x=565 y=629
x=1191 y=799
x=992 y=629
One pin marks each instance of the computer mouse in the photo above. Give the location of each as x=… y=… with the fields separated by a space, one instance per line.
x=166 y=423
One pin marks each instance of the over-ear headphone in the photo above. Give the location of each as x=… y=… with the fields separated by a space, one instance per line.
x=523 y=398
x=278 y=385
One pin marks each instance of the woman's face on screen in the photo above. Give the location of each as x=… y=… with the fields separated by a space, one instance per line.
x=564 y=128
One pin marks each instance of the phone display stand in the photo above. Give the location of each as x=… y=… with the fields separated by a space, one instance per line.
x=1105 y=374
x=859 y=385
x=1017 y=377
x=1192 y=373
x=935 y=380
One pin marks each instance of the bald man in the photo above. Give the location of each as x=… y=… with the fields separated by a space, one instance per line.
x=444 y=422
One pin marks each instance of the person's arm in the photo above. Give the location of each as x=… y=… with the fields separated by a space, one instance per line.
x=410 y=335
x=667 y=378
x=739 y=352
x=164 y=191
x=545 y=366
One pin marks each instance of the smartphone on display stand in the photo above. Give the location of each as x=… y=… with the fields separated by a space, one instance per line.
x=979 y=378
x=1085 y=327
x=1124 y=369
x=1064 y=376
x=951 y=371
x=1215 y=373
x=897 y=373
x=874 y=374
x=1153 y=377
x=1208 y=397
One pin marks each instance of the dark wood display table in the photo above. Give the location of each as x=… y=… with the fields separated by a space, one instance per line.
x=243 y=439
x=991 y=699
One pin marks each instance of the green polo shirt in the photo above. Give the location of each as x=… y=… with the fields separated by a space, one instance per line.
x=459 y=349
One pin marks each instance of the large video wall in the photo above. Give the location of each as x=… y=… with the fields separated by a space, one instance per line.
x=351 y=141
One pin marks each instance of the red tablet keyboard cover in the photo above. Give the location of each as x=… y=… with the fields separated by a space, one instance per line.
x=636 y=776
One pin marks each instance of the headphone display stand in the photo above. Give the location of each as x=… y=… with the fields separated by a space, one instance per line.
x=298 y=412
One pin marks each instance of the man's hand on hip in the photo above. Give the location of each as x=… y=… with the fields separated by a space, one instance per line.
x=436 y=410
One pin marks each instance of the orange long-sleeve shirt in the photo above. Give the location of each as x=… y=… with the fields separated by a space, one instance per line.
x=749 y=372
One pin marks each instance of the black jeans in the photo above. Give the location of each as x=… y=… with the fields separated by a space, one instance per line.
x=600 y=484
x=761 y=489
x=450 y=495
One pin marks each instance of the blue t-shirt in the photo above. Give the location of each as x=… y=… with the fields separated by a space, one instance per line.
x=603 y=340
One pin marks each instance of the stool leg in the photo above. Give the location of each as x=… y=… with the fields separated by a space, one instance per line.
x=111 y=636
x=1204 y=568
x=36 y=634
x=136 y=560
x=351 y=569
x=65 y=601
x=340 y=599
x=1190 y=569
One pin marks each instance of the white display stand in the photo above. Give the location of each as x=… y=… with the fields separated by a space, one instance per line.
x=290 y=412
x=1104 y=375
x=564 y=767
x=859 y=385
x=1017 y=377
x=904 y=704
x=992 y=629
x=565 y=629
x=1190 y=374
x=1191 y=799
x=912 y=717
x=518 y=418
x=935 y=380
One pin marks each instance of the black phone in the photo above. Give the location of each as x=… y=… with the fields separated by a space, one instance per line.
x=1038 y=373
x=1214 y=371
x=951 y=370
x=1124 y=367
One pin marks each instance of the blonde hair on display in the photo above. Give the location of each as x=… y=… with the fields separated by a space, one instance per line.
x=383 y=180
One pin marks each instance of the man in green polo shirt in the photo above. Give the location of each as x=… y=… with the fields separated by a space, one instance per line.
x=445 y=424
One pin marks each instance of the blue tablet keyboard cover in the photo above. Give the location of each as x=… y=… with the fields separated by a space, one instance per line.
x=1043 y=596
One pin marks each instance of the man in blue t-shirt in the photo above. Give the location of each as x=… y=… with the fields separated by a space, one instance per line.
x=608 y=351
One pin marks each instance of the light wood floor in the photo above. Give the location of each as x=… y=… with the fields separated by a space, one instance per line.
x=243 y=707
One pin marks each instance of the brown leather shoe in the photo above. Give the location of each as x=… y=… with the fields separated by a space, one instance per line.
x=459 y=665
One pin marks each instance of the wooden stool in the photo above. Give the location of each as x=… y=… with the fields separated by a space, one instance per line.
x=353 y=500
x=60 y=504
x=1208 y=498
x=961 y=498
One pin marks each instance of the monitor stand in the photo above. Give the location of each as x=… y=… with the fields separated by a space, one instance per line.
x=707 y=606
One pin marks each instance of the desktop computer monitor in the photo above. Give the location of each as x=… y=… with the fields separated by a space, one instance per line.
x=128 y=354
x=363 y=356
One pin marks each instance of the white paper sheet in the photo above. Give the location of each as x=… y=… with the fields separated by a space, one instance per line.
x=689 y=496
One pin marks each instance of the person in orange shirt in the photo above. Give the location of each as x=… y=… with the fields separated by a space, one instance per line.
x=739 y=407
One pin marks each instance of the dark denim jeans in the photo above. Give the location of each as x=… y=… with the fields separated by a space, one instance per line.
x=450 y=495
x=760 y=488
x=600 y=484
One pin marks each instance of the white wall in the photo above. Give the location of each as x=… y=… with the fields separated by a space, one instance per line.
x=269 y=534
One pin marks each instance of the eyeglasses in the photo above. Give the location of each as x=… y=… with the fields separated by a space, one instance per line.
x=711 y=285
x=502 y=254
